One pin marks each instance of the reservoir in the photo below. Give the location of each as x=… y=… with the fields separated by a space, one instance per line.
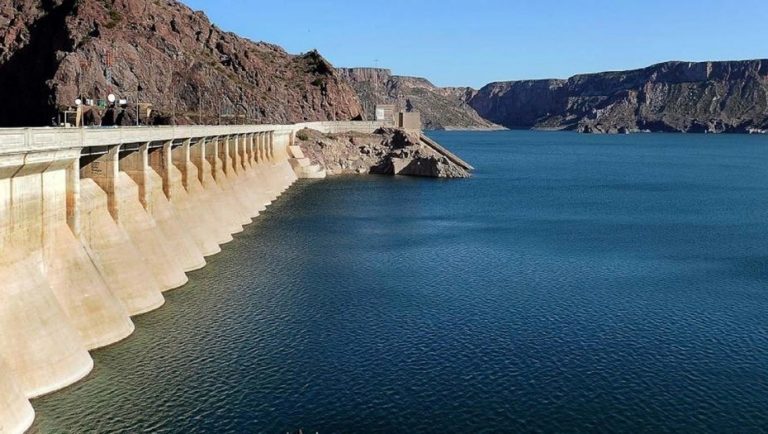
x=576 y=283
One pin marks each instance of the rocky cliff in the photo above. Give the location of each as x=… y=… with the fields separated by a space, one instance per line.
x=53 y=51
x=672 y=96
x=388 y=151
x=441 y=108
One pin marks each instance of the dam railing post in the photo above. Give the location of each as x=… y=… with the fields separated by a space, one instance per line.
x=104 y=170
x=181 y=159
x=235 y=153
x=167 y=159
x=136 y=165
x=198 y=158
x=254 y=149
x=271 y=146
x=249 y=150
x=212 y=152
x=226 y=155
x=161 y=160
x=73 y=197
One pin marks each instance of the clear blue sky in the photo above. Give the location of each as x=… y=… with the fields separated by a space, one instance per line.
x=456 y=43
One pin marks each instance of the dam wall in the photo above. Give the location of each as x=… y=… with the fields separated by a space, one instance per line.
x=96 y=224
x=365 y=127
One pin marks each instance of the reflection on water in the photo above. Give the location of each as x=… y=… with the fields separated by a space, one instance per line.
x=576 y=283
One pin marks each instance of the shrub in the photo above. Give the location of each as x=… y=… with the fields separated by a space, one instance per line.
x=114 y=15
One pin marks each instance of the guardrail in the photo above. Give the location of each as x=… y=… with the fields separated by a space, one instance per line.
x=29 y=140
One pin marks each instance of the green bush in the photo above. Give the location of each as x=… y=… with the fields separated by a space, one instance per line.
x=114 y=16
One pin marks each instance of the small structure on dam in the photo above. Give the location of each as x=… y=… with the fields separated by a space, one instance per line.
x=96 y=224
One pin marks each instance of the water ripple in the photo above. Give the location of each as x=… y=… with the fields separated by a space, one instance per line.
x=531 y=298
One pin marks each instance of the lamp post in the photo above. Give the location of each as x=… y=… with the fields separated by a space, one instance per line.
x=78 y=114
x=173 y=98
x=199 y=106
x=111 y=98
x=138 y=90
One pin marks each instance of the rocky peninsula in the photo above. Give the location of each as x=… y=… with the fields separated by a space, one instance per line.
x=388 y=151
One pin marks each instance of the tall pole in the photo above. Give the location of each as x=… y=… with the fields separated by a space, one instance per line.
x=138 y=88
x=199 y=106
x=173 y=96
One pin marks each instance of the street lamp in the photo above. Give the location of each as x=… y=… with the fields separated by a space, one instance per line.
x=138 y=89
x=78 y=113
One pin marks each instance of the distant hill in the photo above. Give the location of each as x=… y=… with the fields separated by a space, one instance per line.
x=441 y=108
x=711 y=97
x=674 y=96
x=53 y=51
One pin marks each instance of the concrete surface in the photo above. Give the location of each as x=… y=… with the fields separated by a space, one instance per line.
x=96 y=223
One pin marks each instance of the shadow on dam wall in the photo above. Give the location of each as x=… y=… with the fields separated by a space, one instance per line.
x=96 y=225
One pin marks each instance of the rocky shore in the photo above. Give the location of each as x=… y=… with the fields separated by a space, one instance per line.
x=388 y=151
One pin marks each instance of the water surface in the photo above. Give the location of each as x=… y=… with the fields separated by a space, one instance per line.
x=576 y=283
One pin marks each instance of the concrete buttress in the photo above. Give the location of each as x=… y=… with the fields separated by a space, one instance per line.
x=115 y=255
x=16 y=413
x=222 y=209
x=219 y=160
x=133 y=188
x=179 y=238
x=252 y=189
x=95 y=312
x=197 y=222
x=230 y=179
x=42 y=349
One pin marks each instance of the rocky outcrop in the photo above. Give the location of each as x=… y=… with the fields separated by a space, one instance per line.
x=388 y=151
x=675 y=96
x=53 y=51
x=441 y=108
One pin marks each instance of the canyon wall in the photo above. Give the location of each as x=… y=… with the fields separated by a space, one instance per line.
x=440 y=108
x=674 y=96
x=715 y=97
x=159 y=52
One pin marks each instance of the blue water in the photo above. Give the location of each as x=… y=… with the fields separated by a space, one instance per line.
x=577 y=283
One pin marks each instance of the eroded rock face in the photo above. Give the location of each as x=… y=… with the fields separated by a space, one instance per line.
x=53 y=51
x=440 y=108
x=388 y=151
x=674 y=96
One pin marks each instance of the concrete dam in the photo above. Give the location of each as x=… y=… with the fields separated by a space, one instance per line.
x=95 y=224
